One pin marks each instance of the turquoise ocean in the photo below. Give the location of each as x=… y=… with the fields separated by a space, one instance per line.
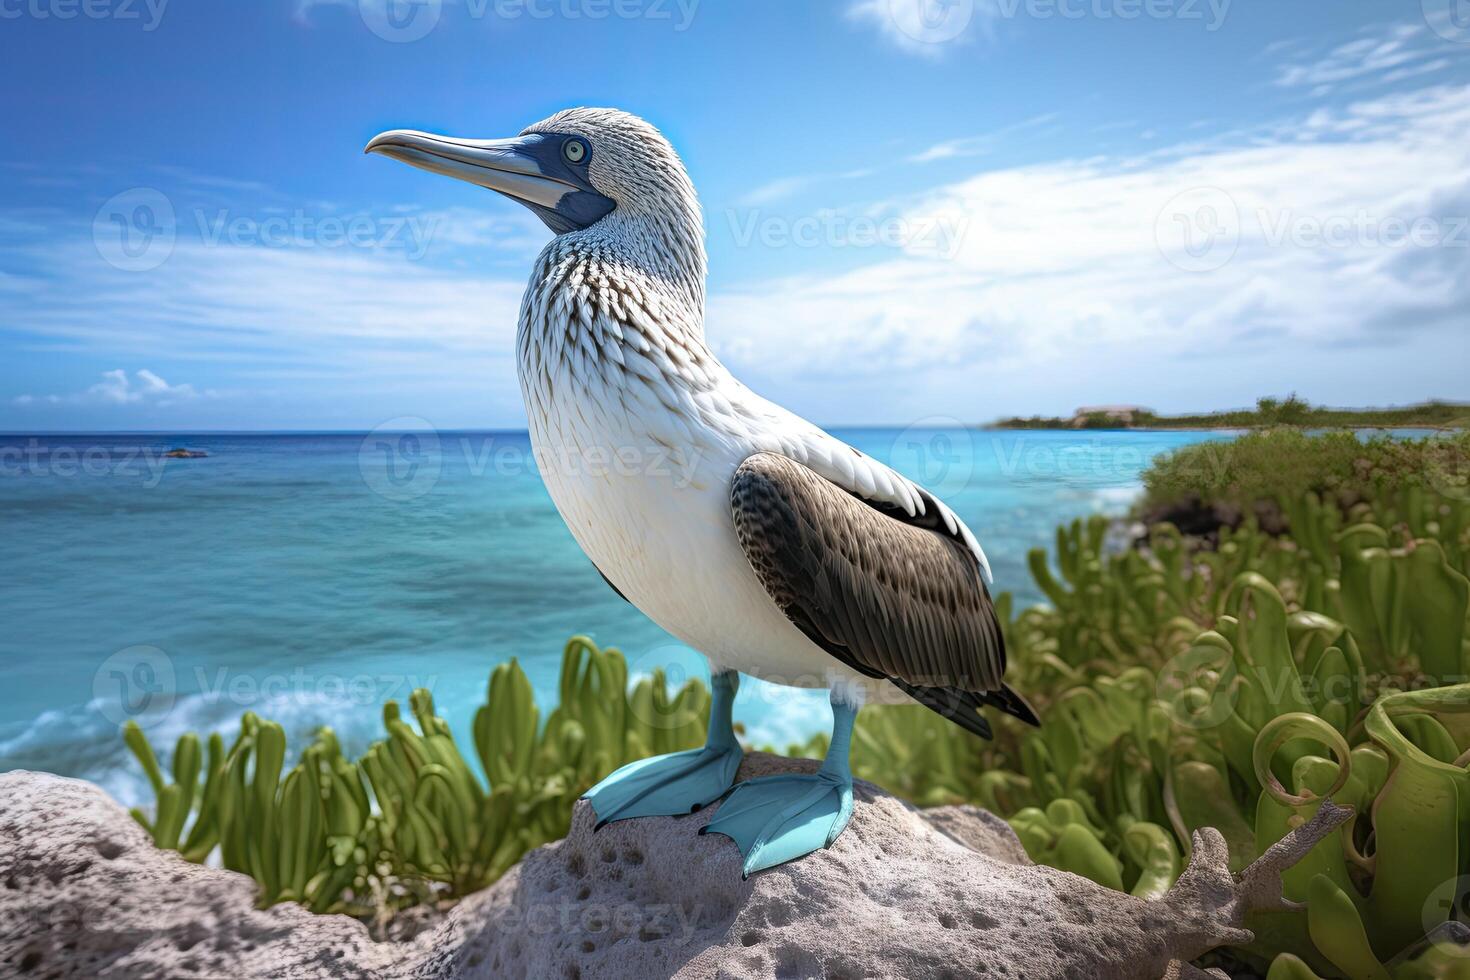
x=310 y=577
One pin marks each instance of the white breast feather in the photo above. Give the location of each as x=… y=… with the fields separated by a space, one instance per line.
x=592 y=320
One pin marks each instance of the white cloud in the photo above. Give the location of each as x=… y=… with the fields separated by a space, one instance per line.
x=784 y=187
x=518 y=231
x=1352 y=230
x=971 y=146
x=210 y=302
x=1414 y=71
x=1387 y=53
x=776 y=190
x=213 y=181
x=116 y=388
x=368 y=323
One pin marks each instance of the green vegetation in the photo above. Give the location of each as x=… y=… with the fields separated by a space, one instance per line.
x=1233 y=684
x=1279 y=467
x=1268 y=412
x=1235 y=688
x=409 y=821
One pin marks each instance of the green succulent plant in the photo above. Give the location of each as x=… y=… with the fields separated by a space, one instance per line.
x=410 y=819
x=1236 y=688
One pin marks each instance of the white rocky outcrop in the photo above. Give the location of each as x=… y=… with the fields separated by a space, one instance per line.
x=903 y=892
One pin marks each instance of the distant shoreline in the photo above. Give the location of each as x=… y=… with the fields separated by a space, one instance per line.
x=1269 y=413
x=1063 y=427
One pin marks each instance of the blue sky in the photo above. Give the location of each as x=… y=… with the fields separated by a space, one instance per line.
x=916 y=209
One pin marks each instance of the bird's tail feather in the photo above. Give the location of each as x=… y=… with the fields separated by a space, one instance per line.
x=963 y=707
x=960 y=707
x=1012 y=704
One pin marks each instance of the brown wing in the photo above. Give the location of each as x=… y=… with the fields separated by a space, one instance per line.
x=885 y=596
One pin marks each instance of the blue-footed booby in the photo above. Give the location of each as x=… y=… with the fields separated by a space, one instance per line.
x=779 y=551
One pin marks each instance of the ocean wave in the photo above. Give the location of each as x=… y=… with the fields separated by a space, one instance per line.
x=1115 y=500
x=86 y=742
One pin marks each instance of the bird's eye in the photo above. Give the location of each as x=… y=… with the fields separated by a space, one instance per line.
x=574 y=150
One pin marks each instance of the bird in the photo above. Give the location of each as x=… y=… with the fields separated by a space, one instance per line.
x=774 y=548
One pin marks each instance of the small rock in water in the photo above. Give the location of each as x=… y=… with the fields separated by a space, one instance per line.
x=186 y=454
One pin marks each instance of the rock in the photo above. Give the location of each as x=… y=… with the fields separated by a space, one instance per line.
x=943 y=893
x=1197 y=518
x=1193 y=516
x=186 y=454
x=84 y=893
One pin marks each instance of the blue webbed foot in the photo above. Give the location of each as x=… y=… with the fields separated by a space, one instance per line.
x=675 y=784
x=665 y=785
x=775 y=819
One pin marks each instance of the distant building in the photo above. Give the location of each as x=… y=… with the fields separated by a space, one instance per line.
x=1122 y=415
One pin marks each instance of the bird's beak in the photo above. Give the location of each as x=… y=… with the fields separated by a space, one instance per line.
x=508 y=166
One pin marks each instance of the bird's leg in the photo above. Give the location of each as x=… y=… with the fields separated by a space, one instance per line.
x=774 y=819
x=674 y=784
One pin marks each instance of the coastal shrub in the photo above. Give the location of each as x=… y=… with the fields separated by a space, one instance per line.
x=1269 y=412
x=1281 y=466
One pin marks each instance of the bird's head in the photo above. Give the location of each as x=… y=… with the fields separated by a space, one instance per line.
x=573 y=169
